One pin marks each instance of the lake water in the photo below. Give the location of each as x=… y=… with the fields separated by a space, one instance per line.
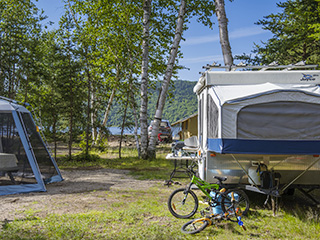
x=117 y=131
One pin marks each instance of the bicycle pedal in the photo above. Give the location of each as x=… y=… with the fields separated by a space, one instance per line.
x=205 y=198
x=218 y=217
x=205 y=214
x=168 y=183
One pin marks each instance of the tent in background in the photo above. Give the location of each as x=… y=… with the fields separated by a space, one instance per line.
x=25 y=162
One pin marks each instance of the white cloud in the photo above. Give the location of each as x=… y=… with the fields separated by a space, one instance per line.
x=200 y=40
x=239 y=33
x=246 y=32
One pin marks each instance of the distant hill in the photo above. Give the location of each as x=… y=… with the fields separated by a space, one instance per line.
x=183 y=103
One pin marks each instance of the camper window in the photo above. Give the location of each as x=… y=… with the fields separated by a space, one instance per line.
x=279 y=121
x=212 y=119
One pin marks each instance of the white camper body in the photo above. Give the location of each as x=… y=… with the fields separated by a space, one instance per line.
x=250 y=121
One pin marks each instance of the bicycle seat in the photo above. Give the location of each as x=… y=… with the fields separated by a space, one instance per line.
x=220 y=179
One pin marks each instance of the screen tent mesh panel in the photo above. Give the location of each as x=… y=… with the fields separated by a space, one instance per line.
x=44 y=161
x=13 y=157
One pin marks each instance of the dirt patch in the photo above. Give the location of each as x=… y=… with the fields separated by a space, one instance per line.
x=112 y=142
x=127 y=140
x=81 y=191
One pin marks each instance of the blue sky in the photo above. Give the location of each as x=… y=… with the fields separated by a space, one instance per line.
x=202 y=44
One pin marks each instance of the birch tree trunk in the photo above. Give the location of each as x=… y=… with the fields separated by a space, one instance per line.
x=106 y=115
x=166 y=81
x=89 y=111
x=223 y=32
x=123 y=122
x=136 y=124
x=71 y=115
x=144 y=80
x=93 y=114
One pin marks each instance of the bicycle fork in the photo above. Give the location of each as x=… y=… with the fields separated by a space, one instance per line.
x=236 y=212
x=186 y=191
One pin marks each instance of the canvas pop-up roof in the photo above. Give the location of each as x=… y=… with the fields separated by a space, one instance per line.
x=265 y=118
x=25 y=162
x=252 y=117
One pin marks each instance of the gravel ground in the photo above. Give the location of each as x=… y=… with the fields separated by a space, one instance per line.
x=81 y=191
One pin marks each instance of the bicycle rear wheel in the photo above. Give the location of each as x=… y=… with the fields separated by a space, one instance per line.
x=195 y=226
x=183 y=203
x=241 y=204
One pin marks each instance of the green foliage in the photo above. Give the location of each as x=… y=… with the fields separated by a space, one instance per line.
x=80 y=159
x=295 y=35
x=68 y=74
x=20 y=30
x=83 y=142
x=83 y=157
x=182 y=102
x=315 y=27
x=159 y=169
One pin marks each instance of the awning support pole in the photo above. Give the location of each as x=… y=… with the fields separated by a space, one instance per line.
x=272 y=167
x=311 y=165
x=254 y=183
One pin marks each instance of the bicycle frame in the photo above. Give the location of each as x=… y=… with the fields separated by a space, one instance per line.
x=212 y=218
x=203 y=185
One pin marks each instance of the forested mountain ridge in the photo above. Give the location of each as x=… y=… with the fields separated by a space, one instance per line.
x=181 y=103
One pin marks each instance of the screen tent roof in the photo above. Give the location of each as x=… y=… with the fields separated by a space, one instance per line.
x=10 y=106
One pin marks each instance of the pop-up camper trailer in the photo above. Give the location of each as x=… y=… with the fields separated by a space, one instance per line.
x=25 y=162
x=264 y=122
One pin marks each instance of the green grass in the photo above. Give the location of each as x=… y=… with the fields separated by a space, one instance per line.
x=143 y=169
x=144 y=215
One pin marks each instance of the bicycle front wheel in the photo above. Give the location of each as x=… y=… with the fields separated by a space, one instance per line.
x=195 y=226
x=240 y=205
x=183 y=203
